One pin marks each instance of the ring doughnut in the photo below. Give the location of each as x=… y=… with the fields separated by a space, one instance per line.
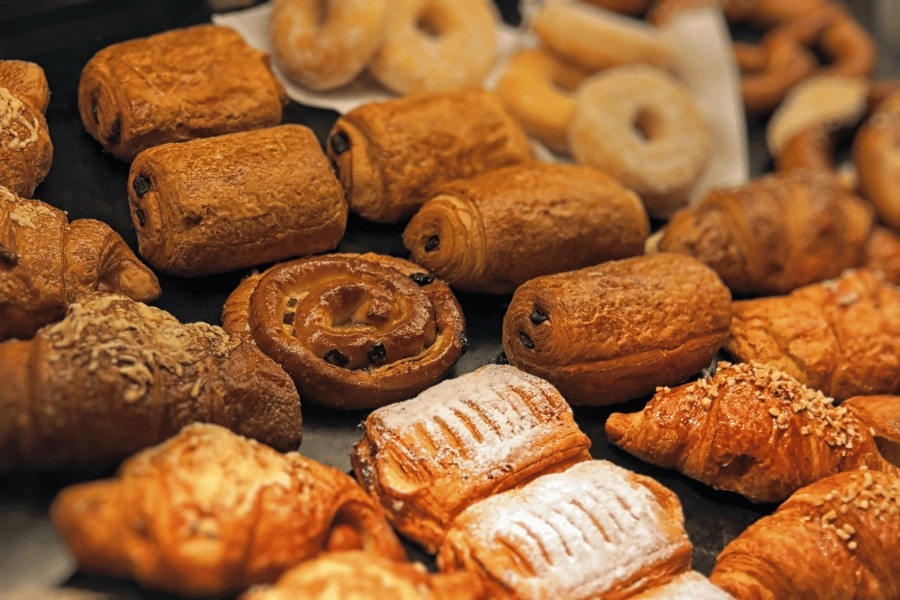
x=537 y=91
x=876 y=153
x=323 y=44
x=434 y=45
x=641 y=127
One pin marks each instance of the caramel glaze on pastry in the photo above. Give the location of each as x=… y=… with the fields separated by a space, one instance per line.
x=354 y=331
x=838 y=538
x=175 y=86
x=390 y=155
x=616 y=331
x=27 y=82
x=210 y=513
x=593 y=531
x=46 y=263
x=750 y=429
x=25 y=148
x=429 y=458
x=116 y=376
x=841 y=337
x=223 y=203
x=882 y=415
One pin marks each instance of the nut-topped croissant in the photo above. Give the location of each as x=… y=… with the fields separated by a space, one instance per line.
x=211 y=513
x=25 y=148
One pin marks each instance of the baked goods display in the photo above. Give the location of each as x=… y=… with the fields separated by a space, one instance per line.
x=495 y=231
x=390 y=155
x=354 y=331
x=210 y=513
x=615 y=332
x=177 y=86
x=25 y=147
x=219 y=204
x=46 y=263
x=429 y=458
x=750 y=429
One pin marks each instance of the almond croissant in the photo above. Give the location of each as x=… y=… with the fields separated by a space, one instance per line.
x=211 y=513
x=749 y=429
x=46 y=263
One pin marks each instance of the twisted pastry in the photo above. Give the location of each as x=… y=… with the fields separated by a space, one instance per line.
x=750 y=429
x=46 y=263
x=211 y=513
x=26 y=151
x=838 y=538
x=354 y=331
x=841 y=337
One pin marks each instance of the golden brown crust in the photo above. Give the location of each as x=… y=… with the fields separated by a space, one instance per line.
x=26 y=81
x=882 y=415
x=390 y=155
x=749 y=429
x=233 y=201
x=500 y=229
x=616 y=331
x=838 y=538
x=210 y=513
x=116 y=376
x=875 y=153
x=883 y=254
x=774 y=234
x=841 y=337
x=812 y=149
x=175 y=86
x=25 y=147
x=429 y=458
x=354 y=331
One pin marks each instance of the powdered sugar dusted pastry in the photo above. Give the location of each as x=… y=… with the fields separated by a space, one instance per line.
x=593 y=531
x=429 y=458
x=687 y=586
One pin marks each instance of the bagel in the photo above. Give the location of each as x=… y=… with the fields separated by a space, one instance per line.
x=324 y=45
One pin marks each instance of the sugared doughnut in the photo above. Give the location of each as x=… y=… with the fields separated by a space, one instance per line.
x=324 y=44
x=537 y=91
x=640 y=126
x=434 y=45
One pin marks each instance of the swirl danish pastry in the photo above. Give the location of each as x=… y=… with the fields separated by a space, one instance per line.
x=26 y=151
x=354 y=331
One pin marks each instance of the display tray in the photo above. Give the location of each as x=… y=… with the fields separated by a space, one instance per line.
x=87 y=182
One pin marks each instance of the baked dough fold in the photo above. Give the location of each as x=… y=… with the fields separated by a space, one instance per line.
x=26 y=151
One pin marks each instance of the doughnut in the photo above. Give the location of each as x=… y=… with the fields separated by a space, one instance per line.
x=537 y=91
x=876 y=153
x=434 y=45
x=325 y=44
x=640 y=126
x=597 y=39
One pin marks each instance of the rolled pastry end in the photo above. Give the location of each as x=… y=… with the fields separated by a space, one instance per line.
x=348 y=150
x=13 y=397
x=619 y=425
x=359 y=525
x=100 y=114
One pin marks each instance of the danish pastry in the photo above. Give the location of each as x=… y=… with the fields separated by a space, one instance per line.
x=593 y=531
x=614 y=332
x=428 y=459
x=354 y=331
x=496 y=231
x=210 y=513
x=232 y=201
x=27 y=82
x=176 y=86
x=876 y=149
x=390 y=155
x=26 y=151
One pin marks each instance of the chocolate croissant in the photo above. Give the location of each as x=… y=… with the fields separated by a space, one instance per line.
x=774 y=234
x=593 y=531
x=749 y=429
x=220 y=204
x=211 y=513
x=116 y=376
x=46 y=263
x=354 y=331
x=616 y=331
x=26 y=151
x=428 y=459
x=176 y=86
x=390 y=155
x=841 y=337
x=494 y=232
x=838 y=538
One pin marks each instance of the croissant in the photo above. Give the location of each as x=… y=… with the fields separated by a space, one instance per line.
x=494 y=232
x=26 y=151
x=429 y=458
x=687 y=586
x=46 y=263
x=27 y=82
x=593 y=531
x=614 y=332
x=749 y=429
x=838 y=538
x=774 y=234
x=211 y=513
x=882 y=415
x=354 y=331
x=841 y=336
x=115 y=376
x=875 y=153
